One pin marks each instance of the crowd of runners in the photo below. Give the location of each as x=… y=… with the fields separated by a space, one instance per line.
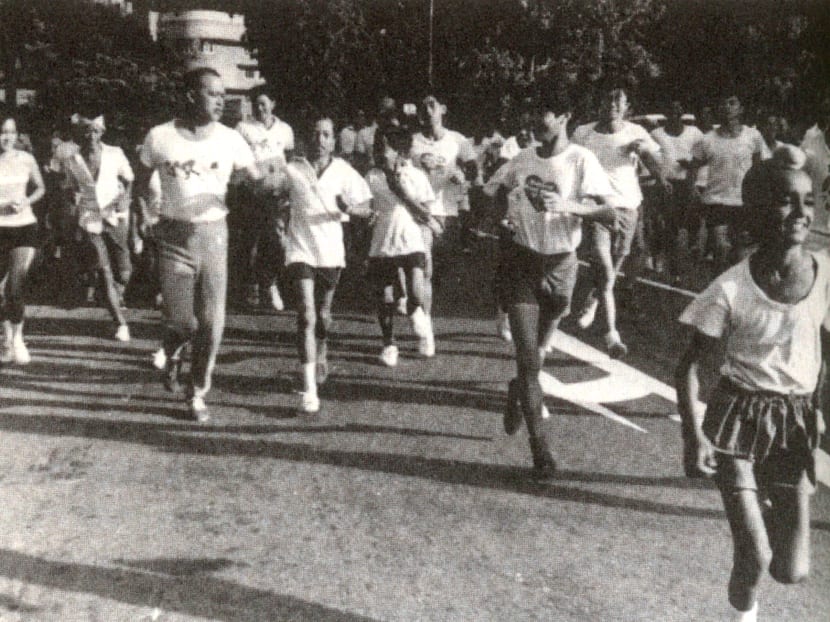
x=277 y=214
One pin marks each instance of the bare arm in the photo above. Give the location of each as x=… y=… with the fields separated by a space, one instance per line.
x=698 y=453
x=36 y=179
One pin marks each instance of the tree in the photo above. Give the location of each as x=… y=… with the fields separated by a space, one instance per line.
x=79 y=54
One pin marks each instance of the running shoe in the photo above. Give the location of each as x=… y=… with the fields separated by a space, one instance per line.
x=544 y=466
x=160 y=359
x=123 y=333
x=389 y=356
x=309 y=403
x=513 y=411
x=613 y=343
x=199 y=410
x=588 y=313
x=172 y=371
x=420 y=323
x=20 y=353
x=276 y=300
x=401 y=308
x=503 y=327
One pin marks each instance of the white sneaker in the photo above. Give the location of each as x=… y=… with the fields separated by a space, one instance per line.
x=123 y=333
x=389 y=356
x=160 y=359
x=426 y=344
x=199 y=410
x=588 y=313
x=20 y=353
x=420 y=323
x=276 y=299
x=309 y=403
x=503 y=327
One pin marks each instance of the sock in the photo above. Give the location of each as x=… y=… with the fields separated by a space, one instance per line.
x=310 y=378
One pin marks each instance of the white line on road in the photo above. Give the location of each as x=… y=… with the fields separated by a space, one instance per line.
x=622 y=383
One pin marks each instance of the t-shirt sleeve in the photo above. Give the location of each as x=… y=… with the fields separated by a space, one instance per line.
x=594 y=180
x=243 y=156
x=709 y=312
x=289 y=138
x=125 y=171
x=503 y=176
x=147 y=153
x=465 y=149
x=354 y=188
x=649 y=144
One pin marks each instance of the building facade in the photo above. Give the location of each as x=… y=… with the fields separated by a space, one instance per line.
x=213 y=39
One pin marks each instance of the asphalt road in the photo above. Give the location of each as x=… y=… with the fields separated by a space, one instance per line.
x=402 y=500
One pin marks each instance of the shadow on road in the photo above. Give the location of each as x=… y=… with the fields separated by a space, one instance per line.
x=162 y=584
x=195 y=439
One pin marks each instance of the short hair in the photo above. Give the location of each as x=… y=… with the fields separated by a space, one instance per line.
x=397 y=136
x=193 y=79
x=263 y=89
x=763 y=180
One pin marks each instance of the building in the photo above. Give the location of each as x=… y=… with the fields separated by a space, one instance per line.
x=212 y=39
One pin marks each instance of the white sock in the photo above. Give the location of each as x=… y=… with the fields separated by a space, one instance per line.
x=310 y=378
x=17 y=332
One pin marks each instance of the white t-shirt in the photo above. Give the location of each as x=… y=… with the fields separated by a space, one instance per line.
x=575 y=174
x=439 y=159
x=15 y=172
x=195 y=173
x=728 y=161
x=615 y=153
x=395 y=232
x=97 y=198
x=315 y=232
x=676 y=148
x=267 y=143
x=770 y=346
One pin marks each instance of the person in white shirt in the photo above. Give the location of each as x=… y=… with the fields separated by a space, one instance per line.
x=365 y=140
x=401 y=202
x=548 y=190
x=102 y=179
x=195 y=157
x=448 y=159
x=678 y=216
x=766 y=319
x=619 y=145
x=815 y=145
x=729 y=151
x=322 y=190
x=259 y=230
x=19 y=237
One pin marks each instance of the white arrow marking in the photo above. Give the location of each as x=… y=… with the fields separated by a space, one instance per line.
x=623 y=383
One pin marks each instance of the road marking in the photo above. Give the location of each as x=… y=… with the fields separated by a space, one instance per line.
x=623 y=383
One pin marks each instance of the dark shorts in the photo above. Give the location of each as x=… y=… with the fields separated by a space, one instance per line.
x=26 y=236
x=328 y=277
x=762 y=439
x=627 y=227
x=528 y=277
x=384 y=270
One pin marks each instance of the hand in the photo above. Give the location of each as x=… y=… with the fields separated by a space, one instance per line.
x=635 y=146
x=428 y=161
x=553 y=201
x=698 y=458
x=19 y=205
x=457 y=177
